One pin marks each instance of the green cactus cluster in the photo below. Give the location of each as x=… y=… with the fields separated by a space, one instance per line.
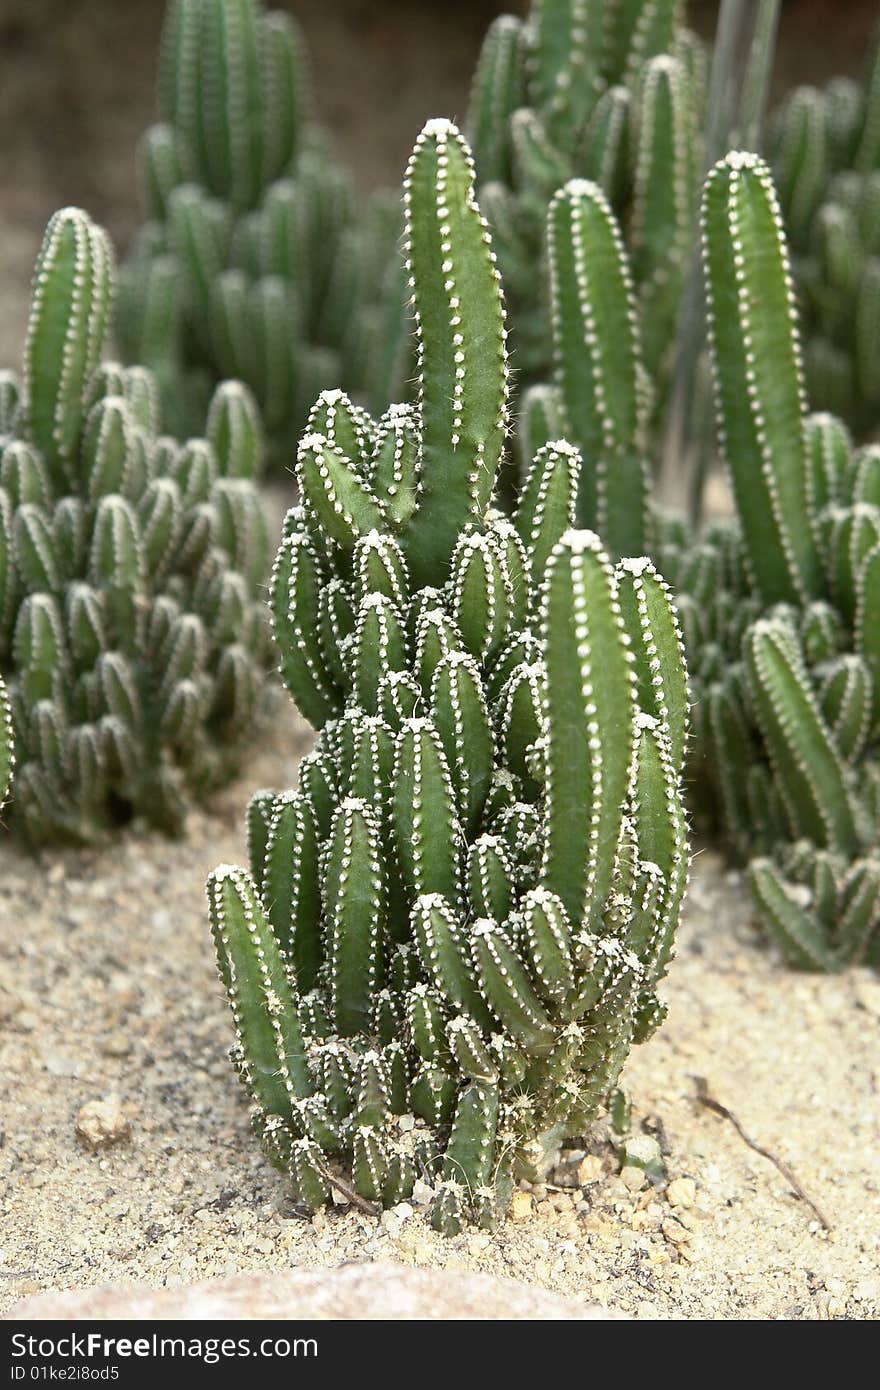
x=255 y=261
x=781 y=609
x=452 y=929
x=826 y=162
x=610 y=91
x=132 y=635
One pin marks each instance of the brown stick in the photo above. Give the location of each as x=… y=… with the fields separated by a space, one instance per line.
x=709 y=1101
x=368 y=1208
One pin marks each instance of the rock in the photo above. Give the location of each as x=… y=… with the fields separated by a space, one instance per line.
x=675 y=1233
x=102 y=1122
x=364 y=1291
x=57 y=1064
x=681 y=1192
x=589 y=1170
x=642 y=1151
x=391 y=1223
x=521 y=1206
x=633 y=1178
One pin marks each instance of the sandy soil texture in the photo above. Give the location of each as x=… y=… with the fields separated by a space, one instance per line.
x=108 y=989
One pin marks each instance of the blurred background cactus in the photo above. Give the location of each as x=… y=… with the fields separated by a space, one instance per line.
x=452 y=929
x=781 y=608
x=132 y=634
x=256 y=261
x=826 y=161
x=611 y=93
x=6 y=752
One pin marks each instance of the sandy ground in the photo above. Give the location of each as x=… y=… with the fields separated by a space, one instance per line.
x=107 y=988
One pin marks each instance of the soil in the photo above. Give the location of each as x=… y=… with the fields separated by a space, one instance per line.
x=108 y=992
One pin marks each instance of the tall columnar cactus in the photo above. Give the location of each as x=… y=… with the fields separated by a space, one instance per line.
x=254 y=262
x=759 y=385
x=600 y=386
x=826 y=160
x=6 y=752
x=781 y=611
x=453 y=928
x=131 y=631
x=599 y=90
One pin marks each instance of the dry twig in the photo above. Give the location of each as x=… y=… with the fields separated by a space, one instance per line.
x=709 y=1101
x=369 y=1208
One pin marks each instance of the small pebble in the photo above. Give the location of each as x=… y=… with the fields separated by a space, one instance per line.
x=521 y=1206
x=681 y=1192
x=589 y=1170
x=675 y=1233
x=58 y=1065
x=100 y=1123
x=561 y=1201
x=478 y=1242
x=633 y=1179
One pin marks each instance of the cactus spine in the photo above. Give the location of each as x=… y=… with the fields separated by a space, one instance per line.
x=130 y=629
x=452 y=930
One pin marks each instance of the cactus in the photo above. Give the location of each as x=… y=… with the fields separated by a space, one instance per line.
x=131 y=632
x=453 y=928
x=601 y=91
x=6 y=752
x=781 y=610
x=254 y=262
x=826 y=161
x=759 y=386
x=599 y=366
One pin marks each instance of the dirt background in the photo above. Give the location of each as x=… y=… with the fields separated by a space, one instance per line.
x=77 y=82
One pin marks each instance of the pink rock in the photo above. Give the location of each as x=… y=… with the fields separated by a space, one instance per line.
x=374 y=1291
